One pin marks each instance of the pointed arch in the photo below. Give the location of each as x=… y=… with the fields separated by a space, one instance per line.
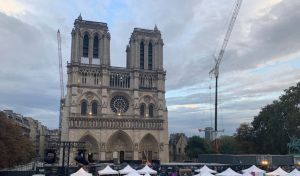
x=142 y=109
x=151 y=110
x=91 y=144
x=83 y=107
x=121 y=143
x=148 y=148
x=142 y=55
x=96 y=46
x=150 y=56
x=94 y=108
x=85 y=46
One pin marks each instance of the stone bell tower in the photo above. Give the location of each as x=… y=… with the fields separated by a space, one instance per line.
x=120 y=112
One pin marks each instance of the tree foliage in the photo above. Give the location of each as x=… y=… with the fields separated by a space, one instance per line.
x=228 y=145
x=197 y=145
x=15 y=148
x=271 y=129
x=245 y=139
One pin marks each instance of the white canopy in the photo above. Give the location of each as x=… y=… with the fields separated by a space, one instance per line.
x=81 y=172
x=247 y=174
x=277 y=172
x=147 y=174
x=205 y=169
x=229 y=172
x=254 y=169
x=147 y=169
x=126 y=170
x=204 y=174
x=107 y=171
x=295 y=172
x=133 y=173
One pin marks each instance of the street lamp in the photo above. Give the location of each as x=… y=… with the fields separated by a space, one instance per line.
x=264 y=162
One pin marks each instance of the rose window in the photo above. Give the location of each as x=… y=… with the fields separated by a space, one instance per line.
x=119 y=104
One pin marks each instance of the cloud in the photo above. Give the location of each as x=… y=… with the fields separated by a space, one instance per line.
x=260 y=61
x=12 y=7
x=28 y=68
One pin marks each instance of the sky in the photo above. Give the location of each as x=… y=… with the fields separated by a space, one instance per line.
x=261 y=60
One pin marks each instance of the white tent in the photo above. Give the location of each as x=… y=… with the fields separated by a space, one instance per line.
x=108 y=171
x=126 y=170
x=146 y=169
x=204 y=174
x=229 y=172
x=147 y=174
x=205 y=169
x=247 y=174
x=295 y=172
x=254 y=169
x=277 y=172
x=81 y=172
x=133 y=173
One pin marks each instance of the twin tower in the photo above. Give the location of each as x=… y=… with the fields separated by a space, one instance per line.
x=91 y=45
x=120 y=113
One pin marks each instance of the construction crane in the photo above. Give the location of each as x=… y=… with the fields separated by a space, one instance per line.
x=62 y=93
x=218 y=59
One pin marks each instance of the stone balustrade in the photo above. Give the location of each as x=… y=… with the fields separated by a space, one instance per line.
x=115 y=123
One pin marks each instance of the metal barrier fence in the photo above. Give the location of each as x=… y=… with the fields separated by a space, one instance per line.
x=17 y=173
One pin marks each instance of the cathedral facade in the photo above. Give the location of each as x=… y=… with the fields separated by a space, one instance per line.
x=119 y=112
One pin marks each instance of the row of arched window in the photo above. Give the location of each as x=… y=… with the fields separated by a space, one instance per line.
x=150 y=56
x=94 y=109
x=85 y=46
x=150 y=110
x=85 y=76
x=84 y=108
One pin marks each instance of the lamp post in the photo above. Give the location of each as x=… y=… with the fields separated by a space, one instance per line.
x=264 y=164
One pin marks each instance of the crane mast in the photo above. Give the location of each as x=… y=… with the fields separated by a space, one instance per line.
x=62 y=93
x=218 y=59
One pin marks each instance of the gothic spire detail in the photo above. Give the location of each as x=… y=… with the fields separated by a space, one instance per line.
x=79 y=17
x=155 y=28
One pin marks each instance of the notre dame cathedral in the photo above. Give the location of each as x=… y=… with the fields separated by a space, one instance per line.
x=119 y=112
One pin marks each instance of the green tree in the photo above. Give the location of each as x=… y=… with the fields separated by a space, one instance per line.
x=197 y=145
x=278 y=121
x=244 y=138
x=15 y=148
x=227 y=145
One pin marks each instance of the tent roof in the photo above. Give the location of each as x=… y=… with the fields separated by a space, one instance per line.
x=147 y=174
x=229 y=172
x=247 y=174
x=81 y=172
x=126 y=170
x=133 y=173
x=204 y=174
x=254 y=169
x=295 y=172
x=107 y=171
x=277 y=172
x=146 y=169
x=205 y=169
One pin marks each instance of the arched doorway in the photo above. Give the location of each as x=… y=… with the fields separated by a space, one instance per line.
x=148 y=148
x=119 y=146
x=92 y=148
